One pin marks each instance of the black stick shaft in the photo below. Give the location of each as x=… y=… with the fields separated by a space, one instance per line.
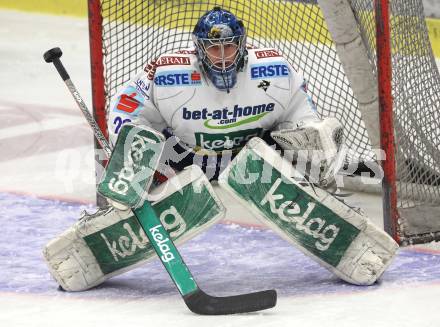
x=83 y=107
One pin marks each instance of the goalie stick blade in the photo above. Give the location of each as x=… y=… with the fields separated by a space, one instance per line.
x=201 y=303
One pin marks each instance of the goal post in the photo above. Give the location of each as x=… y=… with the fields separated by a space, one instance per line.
x=384 y=81
x=333 y=44
x=99 y=98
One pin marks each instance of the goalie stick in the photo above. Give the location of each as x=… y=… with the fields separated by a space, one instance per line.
x=197 y=301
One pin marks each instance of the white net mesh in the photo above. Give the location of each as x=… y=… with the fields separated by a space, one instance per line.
x=416 y=96
x=136 y=32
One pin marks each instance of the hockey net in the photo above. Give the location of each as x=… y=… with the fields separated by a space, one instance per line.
x=333 y=44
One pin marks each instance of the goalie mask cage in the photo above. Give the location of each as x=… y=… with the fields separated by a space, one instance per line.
x=333 y=43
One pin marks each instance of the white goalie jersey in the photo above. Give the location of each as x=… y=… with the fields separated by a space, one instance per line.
x=174 y=94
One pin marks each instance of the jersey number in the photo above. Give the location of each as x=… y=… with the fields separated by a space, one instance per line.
x=119 y=122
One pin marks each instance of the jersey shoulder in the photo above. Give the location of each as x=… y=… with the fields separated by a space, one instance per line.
x=175 y=69
x=269 y=63
x=178 y=60
x=262 y=55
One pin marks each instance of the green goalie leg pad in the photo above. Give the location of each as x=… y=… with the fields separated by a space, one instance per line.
x=132 y=164
x=111 y=241
x=324 y=228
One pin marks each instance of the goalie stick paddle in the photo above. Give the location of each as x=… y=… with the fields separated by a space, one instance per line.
x=196 y=300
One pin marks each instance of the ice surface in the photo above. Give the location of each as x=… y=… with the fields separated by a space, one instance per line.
x=227 y=259
x=47 y=158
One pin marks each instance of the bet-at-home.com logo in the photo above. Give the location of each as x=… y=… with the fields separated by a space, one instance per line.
x=226 y=118
x=226 y=141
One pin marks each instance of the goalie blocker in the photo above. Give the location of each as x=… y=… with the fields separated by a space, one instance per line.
x=111 y=242
x=131 y=168
x=321 y=226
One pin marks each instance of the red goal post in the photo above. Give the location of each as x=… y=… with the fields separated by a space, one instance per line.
x=333 y=43
x=384 y=82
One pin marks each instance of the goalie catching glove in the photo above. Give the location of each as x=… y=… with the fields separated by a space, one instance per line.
x=314 y=145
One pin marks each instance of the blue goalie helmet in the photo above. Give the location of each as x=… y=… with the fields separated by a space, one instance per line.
x=220 y=41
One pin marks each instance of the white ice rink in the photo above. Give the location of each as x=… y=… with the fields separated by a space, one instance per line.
x=46 y=164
